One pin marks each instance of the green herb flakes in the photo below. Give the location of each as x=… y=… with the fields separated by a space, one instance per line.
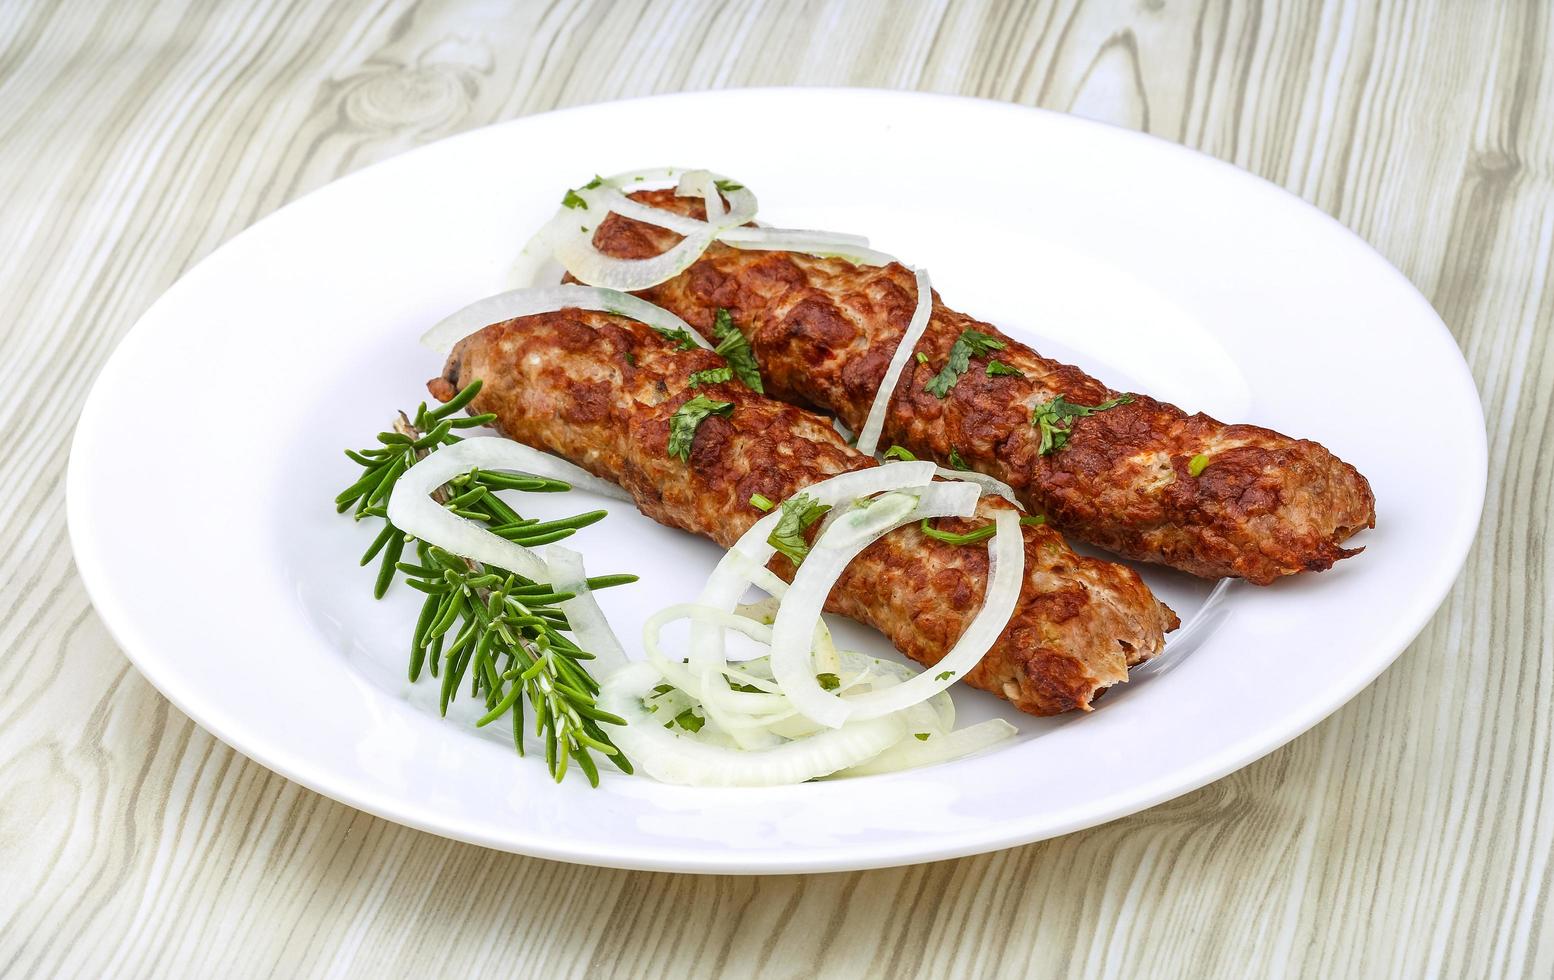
x=799 y=513
x=689 y=720
x=687 y=418
x=970 y=343
x=681 y=337
x=711 y=376
x=1054 y=419
x=735 y=349
x=970 y=537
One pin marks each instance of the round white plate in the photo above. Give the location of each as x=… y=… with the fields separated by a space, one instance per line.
x=209 y=450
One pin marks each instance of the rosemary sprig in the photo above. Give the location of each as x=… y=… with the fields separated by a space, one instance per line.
x=500 y=630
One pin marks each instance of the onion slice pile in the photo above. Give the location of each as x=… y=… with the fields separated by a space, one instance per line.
x=672 y=758
x=727 y=583
x=769 y=720
x=568 y=236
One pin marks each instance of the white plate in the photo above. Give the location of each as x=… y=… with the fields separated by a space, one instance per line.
x=210 y=448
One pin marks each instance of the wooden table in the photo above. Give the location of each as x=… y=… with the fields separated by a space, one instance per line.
x=1407 y=835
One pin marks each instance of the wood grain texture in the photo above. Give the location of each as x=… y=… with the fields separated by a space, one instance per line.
x=1408 y=835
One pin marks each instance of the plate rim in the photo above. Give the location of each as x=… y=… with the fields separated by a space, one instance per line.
x=141 y=650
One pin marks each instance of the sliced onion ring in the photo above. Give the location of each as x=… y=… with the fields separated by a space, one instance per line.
x=991 y=484
x=680 y=759
x=910 y=753
x=569 y=235
x=856 y=254
x=547 y=299
x=587 y=620
x=874 y=424
x=412 y=509
x=615 y=201
x=727 y=583
x=827 y=560
x=690 y=181
x=776 y=236
x=741 y=205
x=573 y=245
x=685 y=679
x=1006 y=576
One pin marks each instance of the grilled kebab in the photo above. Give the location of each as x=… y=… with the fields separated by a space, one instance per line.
x=601 y=390
x=1143 y=479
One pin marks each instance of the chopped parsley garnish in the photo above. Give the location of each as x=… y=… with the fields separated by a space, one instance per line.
x=1034 y=521
x=689 y=720
x=681 y=337
x=736 y=351
x=1197 y=464
x=799 y=513
x=575 y=200
x=956 y=461
x=900 y=452
x=761 y=501
x=970 y=537
x=922 y=358
x=728 y=185
x=711 y=376
x=944 y=675
x=997 y=368
x=970 y=343
x=631 y=358
x=1054 y=419
x=687 y=418
x=920 y=736
x=745 y=688
x=828 y=682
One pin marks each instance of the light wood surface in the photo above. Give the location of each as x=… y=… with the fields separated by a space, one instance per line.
x=1408 y=835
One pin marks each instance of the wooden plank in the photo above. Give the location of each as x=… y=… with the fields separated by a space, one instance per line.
x=1407 y=835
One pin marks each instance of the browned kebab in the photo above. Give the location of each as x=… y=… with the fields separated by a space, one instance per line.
x=1141 y=478
x=600 y=390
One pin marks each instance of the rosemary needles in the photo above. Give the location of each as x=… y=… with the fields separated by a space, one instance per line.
x=497 y=630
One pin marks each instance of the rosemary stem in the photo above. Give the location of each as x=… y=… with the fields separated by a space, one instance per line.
x=442 y=495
